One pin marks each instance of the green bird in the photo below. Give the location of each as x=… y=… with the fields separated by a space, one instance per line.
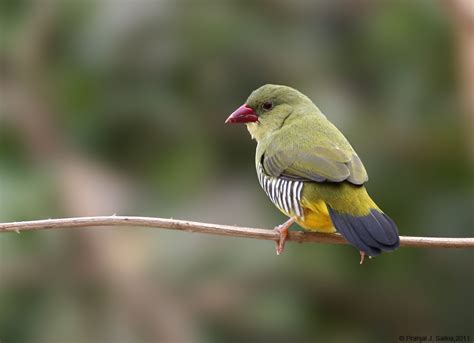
x=310 y=172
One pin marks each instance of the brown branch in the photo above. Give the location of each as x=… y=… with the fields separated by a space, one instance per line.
x=222 y=230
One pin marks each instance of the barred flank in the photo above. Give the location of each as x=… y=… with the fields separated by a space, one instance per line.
x=284 y=194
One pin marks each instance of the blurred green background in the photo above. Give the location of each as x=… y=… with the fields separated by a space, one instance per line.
x=118 y=106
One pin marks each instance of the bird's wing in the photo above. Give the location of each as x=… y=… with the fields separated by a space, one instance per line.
x=316 y=158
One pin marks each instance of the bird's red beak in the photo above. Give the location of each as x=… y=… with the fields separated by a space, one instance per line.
x=243 y=114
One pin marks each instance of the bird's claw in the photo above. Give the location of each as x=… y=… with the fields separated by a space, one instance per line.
x=280 y=244
x=362 y=257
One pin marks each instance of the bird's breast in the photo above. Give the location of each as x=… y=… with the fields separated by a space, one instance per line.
x=284 y=193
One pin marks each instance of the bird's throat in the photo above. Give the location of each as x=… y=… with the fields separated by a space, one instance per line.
x=263 y=130
x=254 y=130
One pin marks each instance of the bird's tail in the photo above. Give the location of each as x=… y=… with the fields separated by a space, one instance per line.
x=372 y=234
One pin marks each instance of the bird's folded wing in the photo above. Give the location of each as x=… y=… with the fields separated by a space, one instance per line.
x=315 y=163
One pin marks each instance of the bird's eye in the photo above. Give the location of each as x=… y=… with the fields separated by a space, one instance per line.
x=267 y=105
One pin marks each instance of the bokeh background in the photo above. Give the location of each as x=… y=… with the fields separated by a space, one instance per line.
x=118 y=106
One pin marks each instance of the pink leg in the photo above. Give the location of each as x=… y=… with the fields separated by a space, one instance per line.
x=283 y=231
x=362 y=257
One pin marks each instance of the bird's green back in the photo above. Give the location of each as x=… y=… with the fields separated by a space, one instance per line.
x=308 y=146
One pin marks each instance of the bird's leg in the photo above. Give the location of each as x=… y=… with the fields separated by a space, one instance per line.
x=283 y=231
x=362 y=257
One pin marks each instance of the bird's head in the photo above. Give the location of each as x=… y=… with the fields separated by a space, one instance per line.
x=267 y=109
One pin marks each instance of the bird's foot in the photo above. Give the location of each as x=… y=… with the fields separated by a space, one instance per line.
x=283 y=231
x=280 y=244
x=362 y=257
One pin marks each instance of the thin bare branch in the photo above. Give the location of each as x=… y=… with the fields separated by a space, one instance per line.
x=222 y=230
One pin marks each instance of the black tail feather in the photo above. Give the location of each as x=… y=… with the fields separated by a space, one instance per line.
x=372 y=234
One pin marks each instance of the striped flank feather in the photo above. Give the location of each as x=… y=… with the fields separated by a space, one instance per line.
x=284 y=194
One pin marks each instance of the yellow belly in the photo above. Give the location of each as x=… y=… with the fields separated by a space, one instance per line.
x=316 y=217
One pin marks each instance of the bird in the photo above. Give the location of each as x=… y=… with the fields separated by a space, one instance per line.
x=310 y=171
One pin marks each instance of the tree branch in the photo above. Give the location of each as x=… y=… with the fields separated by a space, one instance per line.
x=222 y=230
